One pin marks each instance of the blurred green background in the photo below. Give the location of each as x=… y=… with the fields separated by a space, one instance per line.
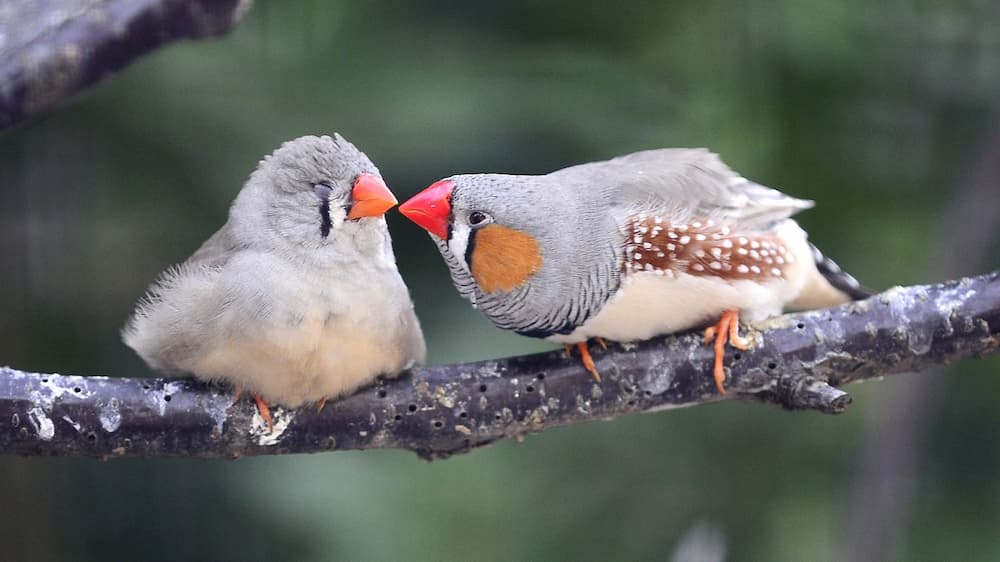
x=881 y=112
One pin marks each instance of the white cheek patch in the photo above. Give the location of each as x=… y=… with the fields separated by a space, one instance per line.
x=338 y=216
x=459 y=243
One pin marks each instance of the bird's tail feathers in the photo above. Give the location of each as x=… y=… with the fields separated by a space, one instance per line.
x=828 y=286
x=840 y=279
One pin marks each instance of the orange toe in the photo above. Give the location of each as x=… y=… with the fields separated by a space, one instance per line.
x=588 y=361
x=727 y=330
x=735 y=339
x=265 y=412
x=320 y=404
x=709 y=334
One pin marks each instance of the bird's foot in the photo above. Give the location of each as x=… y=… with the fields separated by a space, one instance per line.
x=265 y=412
x=588 y=361
x=726 y=330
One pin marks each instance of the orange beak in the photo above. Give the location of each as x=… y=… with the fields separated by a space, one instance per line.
x=431 y=208
x=371 y=197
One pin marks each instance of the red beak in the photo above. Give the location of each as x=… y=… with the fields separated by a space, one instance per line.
x=431 y=208
x=371 y=197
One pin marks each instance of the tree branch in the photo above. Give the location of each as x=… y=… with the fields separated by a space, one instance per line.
x=438 y=411
x=52 y=49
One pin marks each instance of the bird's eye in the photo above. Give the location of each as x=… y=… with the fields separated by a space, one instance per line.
x=322 y=191
x=479 y=218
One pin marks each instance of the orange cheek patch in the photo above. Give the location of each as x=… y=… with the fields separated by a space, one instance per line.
x=504 y=258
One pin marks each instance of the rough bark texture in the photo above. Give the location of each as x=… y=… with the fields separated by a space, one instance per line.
x=52 y=49
x=438 y=411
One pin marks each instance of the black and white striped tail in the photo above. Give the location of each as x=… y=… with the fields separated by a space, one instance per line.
x=840 y=279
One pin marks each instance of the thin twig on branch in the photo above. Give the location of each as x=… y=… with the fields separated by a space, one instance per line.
x=797 y=361
x=52 y=49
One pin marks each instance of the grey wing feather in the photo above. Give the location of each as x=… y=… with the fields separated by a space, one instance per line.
x=212 y=254
x=157 y=328
x=692 y=181
x=215 y=251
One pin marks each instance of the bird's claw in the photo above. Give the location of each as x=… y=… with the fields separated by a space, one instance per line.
x=588 y=361
x=726 y=330
x=265 y=412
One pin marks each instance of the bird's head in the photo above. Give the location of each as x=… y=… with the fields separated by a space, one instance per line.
x=513 y=250
x=314 y=194
x=482 y=228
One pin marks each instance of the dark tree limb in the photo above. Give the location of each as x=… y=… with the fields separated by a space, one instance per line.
x=52 y=49
x=797 y=361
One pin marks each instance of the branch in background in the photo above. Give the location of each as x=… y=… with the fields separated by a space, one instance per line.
x=439 y=411
x=52 y=49
x=888 y=473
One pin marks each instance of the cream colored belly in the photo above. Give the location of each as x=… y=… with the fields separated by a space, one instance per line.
x=313 y=360
x=648 y=305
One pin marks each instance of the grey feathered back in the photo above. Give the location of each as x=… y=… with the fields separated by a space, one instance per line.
x=684 y=181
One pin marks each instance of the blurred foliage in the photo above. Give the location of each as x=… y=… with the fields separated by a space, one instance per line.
x=875 y=110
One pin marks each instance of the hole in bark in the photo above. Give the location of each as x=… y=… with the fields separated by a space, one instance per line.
x=145 y=387
x=737 y=356
x=530 y=388
x=381 y=393
x=772 y=365
x=800 y=325
x=412 y=407
x=438 y=424
x=45 y=380
x=497 y=416
x=629 y=389
x=91 y=436
x=77 y=389
x=482 y=388
x=648 y=392
x=540 y=376
x=397 y=417
x=166 y=398
x=631 y=402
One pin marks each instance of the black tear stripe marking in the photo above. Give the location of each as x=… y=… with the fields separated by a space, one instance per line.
x=470 y=247
x=324 y=211
x=322 y=190
x=451 y=219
